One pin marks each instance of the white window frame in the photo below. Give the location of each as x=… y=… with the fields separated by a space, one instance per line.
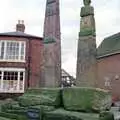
x=18 y=81
x=107 y=82
x=19 y=57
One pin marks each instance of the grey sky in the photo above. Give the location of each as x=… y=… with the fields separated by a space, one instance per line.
x=32 y=11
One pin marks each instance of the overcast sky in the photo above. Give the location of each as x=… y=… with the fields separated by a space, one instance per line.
x=107 y=16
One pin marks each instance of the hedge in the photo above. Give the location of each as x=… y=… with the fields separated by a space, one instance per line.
x=42 y=96
x=86 y=99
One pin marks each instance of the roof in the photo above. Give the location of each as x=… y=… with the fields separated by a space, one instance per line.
x=19 y=34
x=109 y=46
x=65 y=74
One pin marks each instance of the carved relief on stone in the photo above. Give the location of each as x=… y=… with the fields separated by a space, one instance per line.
x=87 y=22
x=86 y=2
x=87 y=9
x=51 y=9
x=49 y=56
x=51 y=1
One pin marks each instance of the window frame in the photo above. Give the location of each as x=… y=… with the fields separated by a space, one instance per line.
x=18 y=90
x=20 y=49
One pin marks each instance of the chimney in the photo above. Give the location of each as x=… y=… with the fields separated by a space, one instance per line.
x=20 y=26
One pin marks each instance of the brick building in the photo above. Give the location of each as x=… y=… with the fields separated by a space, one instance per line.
x=109 y=65
x=20 y=60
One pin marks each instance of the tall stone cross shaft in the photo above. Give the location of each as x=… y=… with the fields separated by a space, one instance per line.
x=52 y=45
x=86 y=56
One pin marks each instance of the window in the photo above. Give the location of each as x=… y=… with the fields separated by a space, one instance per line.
x=107 y=82
x=12 y=50
x=12 y=80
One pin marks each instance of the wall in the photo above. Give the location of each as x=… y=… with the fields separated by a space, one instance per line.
x=109 y=68
x=33 y=60
x=36 y=57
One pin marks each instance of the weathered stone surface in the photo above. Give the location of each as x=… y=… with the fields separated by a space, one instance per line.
x=87 y=24
x=86 y=57
x=86 y=2
x=43 y=96
x=86 y=62
x=56 y=103
x=86 y=99
x=62 y=114
x=49 y=40
x=87 y=32
x=52 y=47
x=88 y=10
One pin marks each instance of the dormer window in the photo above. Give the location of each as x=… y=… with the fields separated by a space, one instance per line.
x=12 y=51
